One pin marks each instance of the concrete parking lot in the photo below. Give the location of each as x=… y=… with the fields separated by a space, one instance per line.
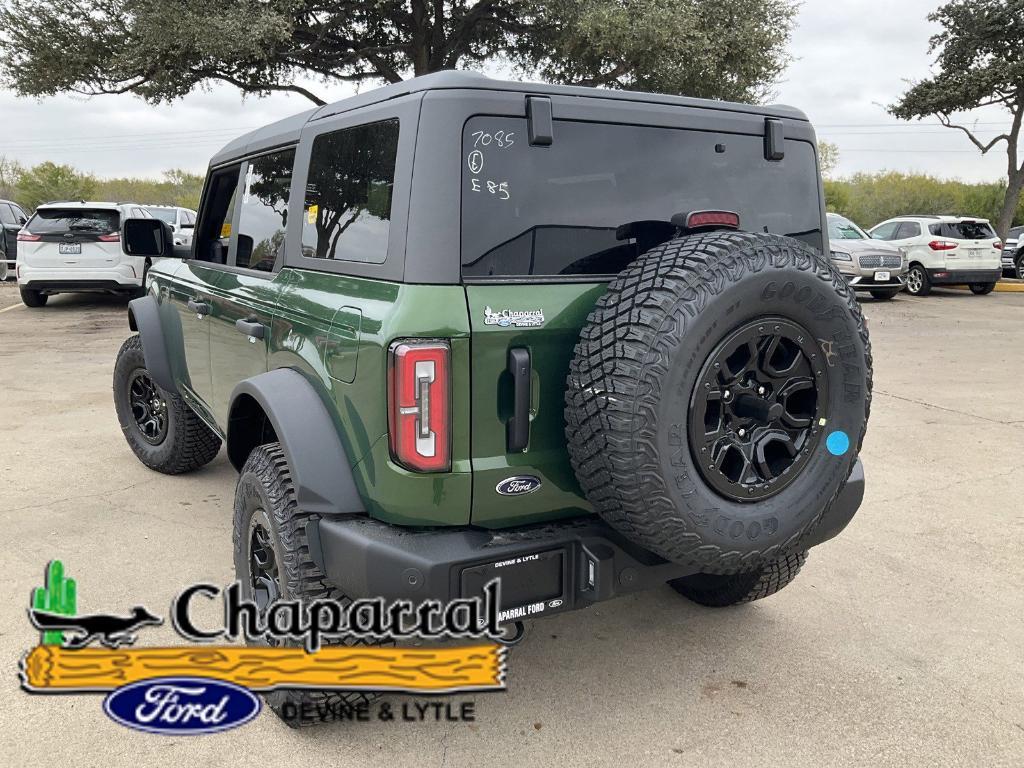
x=900 y=644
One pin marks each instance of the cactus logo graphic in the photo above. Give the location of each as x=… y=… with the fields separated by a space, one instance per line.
x=53 y=612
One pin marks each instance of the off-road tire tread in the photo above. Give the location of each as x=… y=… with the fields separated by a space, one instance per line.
x=196 y=445
x=305 y=580
x=723 y=591
x=612 y=386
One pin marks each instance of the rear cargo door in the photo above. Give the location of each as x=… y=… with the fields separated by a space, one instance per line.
x=542 y=234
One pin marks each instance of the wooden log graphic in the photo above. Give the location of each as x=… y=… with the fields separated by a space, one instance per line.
x=50 y=668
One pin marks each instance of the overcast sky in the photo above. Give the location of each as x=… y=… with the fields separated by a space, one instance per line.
x=851 y=58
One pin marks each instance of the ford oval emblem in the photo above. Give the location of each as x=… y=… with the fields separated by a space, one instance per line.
x=182 y=706
x=518 y=485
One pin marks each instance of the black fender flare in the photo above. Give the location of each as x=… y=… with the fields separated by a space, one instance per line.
x=144 y=317
x=318 y=463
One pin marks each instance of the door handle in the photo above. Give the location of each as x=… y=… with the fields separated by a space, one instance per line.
x=517 y=431
x=201 y=308
x=251 y=328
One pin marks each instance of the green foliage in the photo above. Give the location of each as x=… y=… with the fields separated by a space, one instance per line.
x=163 y=49
x=57 y=596
x=828 y=157
x=979 y=62
x=48 y=181
x=868 y=199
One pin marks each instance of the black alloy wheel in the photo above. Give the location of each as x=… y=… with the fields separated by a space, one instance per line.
x=754 y=413
x=149 y=408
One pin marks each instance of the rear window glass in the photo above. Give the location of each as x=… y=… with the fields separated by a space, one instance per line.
x=535 y=210
x=964 y=230
x=60 y=220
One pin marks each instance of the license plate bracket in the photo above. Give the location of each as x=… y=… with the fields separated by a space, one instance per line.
x=532 y=585
x=882 y=276
x=69 y=249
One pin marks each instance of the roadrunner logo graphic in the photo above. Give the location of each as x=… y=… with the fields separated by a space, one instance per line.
x=111 y=631
x=519 y=318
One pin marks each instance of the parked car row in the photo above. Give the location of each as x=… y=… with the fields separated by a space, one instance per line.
x=917 y=252
x=12 y=219
x=76 y=246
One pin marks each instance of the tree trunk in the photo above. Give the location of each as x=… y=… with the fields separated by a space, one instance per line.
x=1015 y=183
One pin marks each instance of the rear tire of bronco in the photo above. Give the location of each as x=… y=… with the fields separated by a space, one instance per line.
x=982 y=289
x=272 y=561
x=33 y=299
x=718 y=397
x=163 y=432
x=716 y=591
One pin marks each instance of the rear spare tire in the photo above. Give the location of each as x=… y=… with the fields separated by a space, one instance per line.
x=718 y=396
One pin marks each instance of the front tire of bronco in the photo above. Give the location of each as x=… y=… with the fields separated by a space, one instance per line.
x=716 y=591
x=163 y=432
x=718 y=397
x=272 y=561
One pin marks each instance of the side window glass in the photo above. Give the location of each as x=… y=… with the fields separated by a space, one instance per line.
x=214 y=233
x=908 y=229
x=6 y=214
x=20 y=214
x=264 y=212
x=347 y=210
x=884 y=232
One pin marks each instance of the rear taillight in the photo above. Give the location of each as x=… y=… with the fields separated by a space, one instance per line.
x=997 y=245
x=942 y=245
x=28 y=237
x=419 y=405
x=113 y=237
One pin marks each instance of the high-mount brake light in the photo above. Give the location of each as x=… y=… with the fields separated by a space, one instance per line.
x=419 y=404
x=698 y=219
x=942 y=245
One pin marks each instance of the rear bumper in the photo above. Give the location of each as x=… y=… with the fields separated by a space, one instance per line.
x=544 y=569
x=964 y=276
x=121 y=277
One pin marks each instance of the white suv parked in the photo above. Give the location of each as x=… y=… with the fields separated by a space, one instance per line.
x=945 y=250
x=181 y=220
x=70 y=247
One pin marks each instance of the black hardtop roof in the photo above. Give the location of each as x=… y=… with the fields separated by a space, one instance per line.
x=287 y=130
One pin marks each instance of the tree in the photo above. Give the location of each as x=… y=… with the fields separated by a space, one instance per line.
x=828 y=157
x=163 y=49
x=10 y=175
x=49 y=181
x=980 y=63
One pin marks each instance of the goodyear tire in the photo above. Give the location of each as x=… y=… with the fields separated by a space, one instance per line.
x=717 y=398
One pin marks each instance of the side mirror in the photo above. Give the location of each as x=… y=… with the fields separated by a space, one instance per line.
x=146 y=237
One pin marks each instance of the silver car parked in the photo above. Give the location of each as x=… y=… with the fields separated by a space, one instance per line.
x=869 y=265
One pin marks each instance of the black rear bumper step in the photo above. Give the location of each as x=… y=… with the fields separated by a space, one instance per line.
x=544 y=569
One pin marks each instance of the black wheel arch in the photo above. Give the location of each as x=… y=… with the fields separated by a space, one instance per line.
x=282 y=405
x=145 y=318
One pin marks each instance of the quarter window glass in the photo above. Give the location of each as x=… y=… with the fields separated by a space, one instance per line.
x=908 y=229
x=218 y=210
x=347 y=211
x=264 y=211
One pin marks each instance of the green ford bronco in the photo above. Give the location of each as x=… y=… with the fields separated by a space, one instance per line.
x=455 y=328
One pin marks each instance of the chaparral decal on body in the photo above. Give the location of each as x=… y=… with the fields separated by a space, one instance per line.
x=519 y=318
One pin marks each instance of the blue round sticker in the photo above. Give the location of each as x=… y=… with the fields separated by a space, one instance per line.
x=838 y=443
